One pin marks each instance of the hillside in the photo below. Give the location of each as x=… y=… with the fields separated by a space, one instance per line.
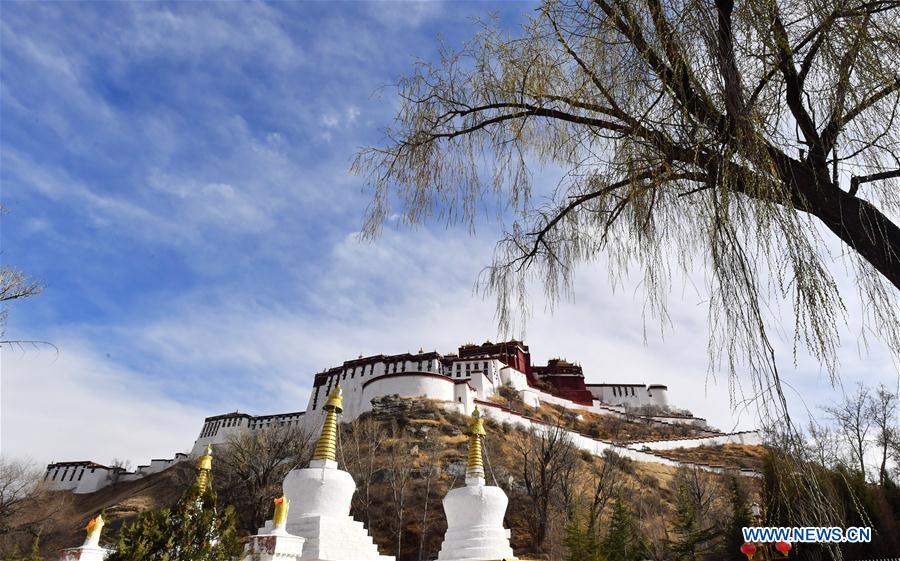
x=408 y=453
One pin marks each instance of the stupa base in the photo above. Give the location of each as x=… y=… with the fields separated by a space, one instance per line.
x=277 y=546
x=84 y=553
x=476 y=543
x=334 y=538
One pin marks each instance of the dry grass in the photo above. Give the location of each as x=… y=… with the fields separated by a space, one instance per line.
x=741 y=456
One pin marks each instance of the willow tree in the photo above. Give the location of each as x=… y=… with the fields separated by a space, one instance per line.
x=756 y=141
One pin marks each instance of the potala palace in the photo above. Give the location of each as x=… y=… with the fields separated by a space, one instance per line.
x=472 y=376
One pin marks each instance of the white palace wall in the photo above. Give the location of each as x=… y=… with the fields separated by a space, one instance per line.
x=78 y=477
x=431 y=386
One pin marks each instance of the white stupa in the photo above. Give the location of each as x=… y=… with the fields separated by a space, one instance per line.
x=90 y=550
x=475 y=512
x=320 y=496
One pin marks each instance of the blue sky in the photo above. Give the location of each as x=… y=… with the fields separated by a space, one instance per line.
x=177 y=175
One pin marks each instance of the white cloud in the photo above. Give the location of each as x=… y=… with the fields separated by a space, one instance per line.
x=80 y=406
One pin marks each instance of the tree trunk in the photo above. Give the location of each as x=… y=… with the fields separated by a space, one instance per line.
x=861 y=226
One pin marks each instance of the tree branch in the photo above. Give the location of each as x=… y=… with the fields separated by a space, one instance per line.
x=857 y=180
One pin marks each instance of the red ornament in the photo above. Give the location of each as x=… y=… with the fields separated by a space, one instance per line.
x=748 y=549
x=783 y=547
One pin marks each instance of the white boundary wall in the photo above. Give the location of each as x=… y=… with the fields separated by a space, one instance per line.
x=745 y=437
x=598 y=447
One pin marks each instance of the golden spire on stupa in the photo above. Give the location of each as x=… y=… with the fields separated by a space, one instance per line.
x=475 y=431
x=282 y=504
x=93 y=529
x=326 y=447
x=204 y=467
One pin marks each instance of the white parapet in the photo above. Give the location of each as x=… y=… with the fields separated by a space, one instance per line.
x=475 y=523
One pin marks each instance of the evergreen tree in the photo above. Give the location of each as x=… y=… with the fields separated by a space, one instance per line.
x=623 y=541
x=740 y=517
x=686 y=527
x=693 y=541
x=191 y=531
x=581 y=542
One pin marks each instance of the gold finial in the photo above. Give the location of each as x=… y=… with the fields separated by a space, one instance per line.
x=476 y=432
x=93 y=528
x=281 y=511
x=204 y=466
x=326 y=447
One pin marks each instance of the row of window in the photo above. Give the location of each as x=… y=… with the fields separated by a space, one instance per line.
x=472 y=366
x=66 y=472
x=622 y=392
x=397 y=367
x=210 y=429
x=281 y=422
x=392 y=368
x=213 y=427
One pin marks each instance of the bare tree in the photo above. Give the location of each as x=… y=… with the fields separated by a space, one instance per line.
x=607 y=484
x=252 y=466
x=824 y=444
x=28 y=510
x=853 y=418
x=883 y=408
x=361 y=444
x=543 y=456
x=14 y=285
x=430 y=472
x=399 y=475
x=702 y=489
x=19 y=482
